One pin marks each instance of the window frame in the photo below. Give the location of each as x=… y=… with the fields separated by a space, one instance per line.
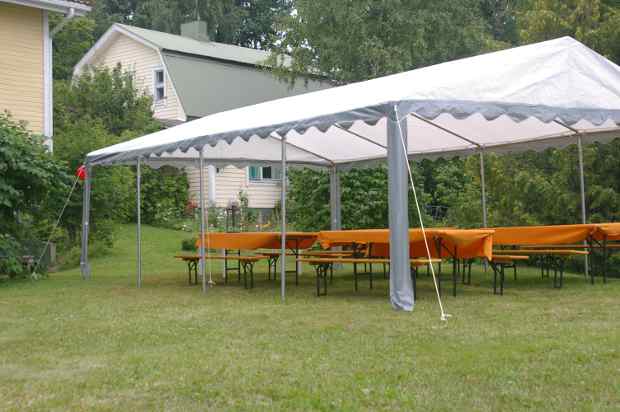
x=260 y=174
x=159 y=85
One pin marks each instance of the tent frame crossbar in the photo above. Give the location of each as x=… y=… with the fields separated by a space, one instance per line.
x=310 y=152
x=360 y=136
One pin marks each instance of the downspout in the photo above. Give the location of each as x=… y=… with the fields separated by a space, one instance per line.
x=48 y=89
x=63 y=22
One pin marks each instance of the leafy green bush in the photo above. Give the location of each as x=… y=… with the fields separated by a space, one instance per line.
x=164 y=196
x=189 y=244
x=9 y=256
x=32 y=186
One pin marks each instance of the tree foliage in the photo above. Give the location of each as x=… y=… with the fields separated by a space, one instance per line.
x=364 y=199
x=357 y=40
x=593 y=22
x=32 y=186
x=98 y=109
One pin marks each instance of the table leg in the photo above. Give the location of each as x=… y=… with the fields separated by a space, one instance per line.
x=414 y=278
x=494 y=267
x=355 y=274
x=317 y=269
x=501 y=281
x=514 y=267
x=606 y=256
x=455 y=266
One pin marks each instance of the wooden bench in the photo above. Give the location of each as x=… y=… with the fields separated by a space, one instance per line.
x=549 y=259
x=272 y=262
x=247 y=264
x=499 y=264
x=324 y=265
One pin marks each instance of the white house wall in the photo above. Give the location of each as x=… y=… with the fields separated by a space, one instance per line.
x=230 y=181
x=142 y=61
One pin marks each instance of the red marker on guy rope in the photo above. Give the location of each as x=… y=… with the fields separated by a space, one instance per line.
x=81 y=172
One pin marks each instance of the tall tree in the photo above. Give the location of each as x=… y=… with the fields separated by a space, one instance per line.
x=241 y=22
x=349 y=41
x=594 y=22
x=501 y=19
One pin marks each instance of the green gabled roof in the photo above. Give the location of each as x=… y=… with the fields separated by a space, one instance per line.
x=211 y=49
x=205 y=86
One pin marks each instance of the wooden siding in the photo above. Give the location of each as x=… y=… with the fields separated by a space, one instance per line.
x=142 y=61
x=21 y=64
x=230 y=181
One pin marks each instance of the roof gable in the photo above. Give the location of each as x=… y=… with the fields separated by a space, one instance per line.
x=211 y=49
x=175 y=43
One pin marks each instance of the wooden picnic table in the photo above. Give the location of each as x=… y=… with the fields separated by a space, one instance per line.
x=499 y=264
x=246 y=263
x=549 y=259
x=252 y=241
x=324 y=265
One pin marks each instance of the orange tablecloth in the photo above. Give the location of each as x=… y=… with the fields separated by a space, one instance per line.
x=609 y=231
x=467 y=243
x=555 y=235
x=258 y=240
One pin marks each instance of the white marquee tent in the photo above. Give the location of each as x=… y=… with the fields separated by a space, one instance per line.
x=549 y=94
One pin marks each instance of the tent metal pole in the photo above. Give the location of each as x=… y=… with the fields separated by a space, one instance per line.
x=401 y=286
x=283 y=228
x=84 y=265
x=582 y=185
x=202 y=221
x=139 y=221
x=211 y=188
x=335 y=204
x=483 y=191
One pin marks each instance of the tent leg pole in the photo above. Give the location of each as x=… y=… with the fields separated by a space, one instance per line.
x=283 y=228
x=483 y=191
x=202 y=222
x=401 y=285
x=139 y=221
x=483 y=194
x=582 y=184
x=84 y=265
x=211 y=188
x=335 y=199
x=335 y=205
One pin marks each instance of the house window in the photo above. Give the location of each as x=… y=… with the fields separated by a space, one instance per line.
x=159 y=89
x=263 y=173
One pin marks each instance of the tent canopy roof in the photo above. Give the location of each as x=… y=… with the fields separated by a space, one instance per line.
x=529 y=97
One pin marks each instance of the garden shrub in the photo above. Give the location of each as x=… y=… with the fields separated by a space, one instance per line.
x=189 y=244
x=32 y=186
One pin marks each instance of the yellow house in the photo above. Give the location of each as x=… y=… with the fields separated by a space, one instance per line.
x=26 y=59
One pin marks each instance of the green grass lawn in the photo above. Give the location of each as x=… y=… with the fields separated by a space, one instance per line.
x=69 y=344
